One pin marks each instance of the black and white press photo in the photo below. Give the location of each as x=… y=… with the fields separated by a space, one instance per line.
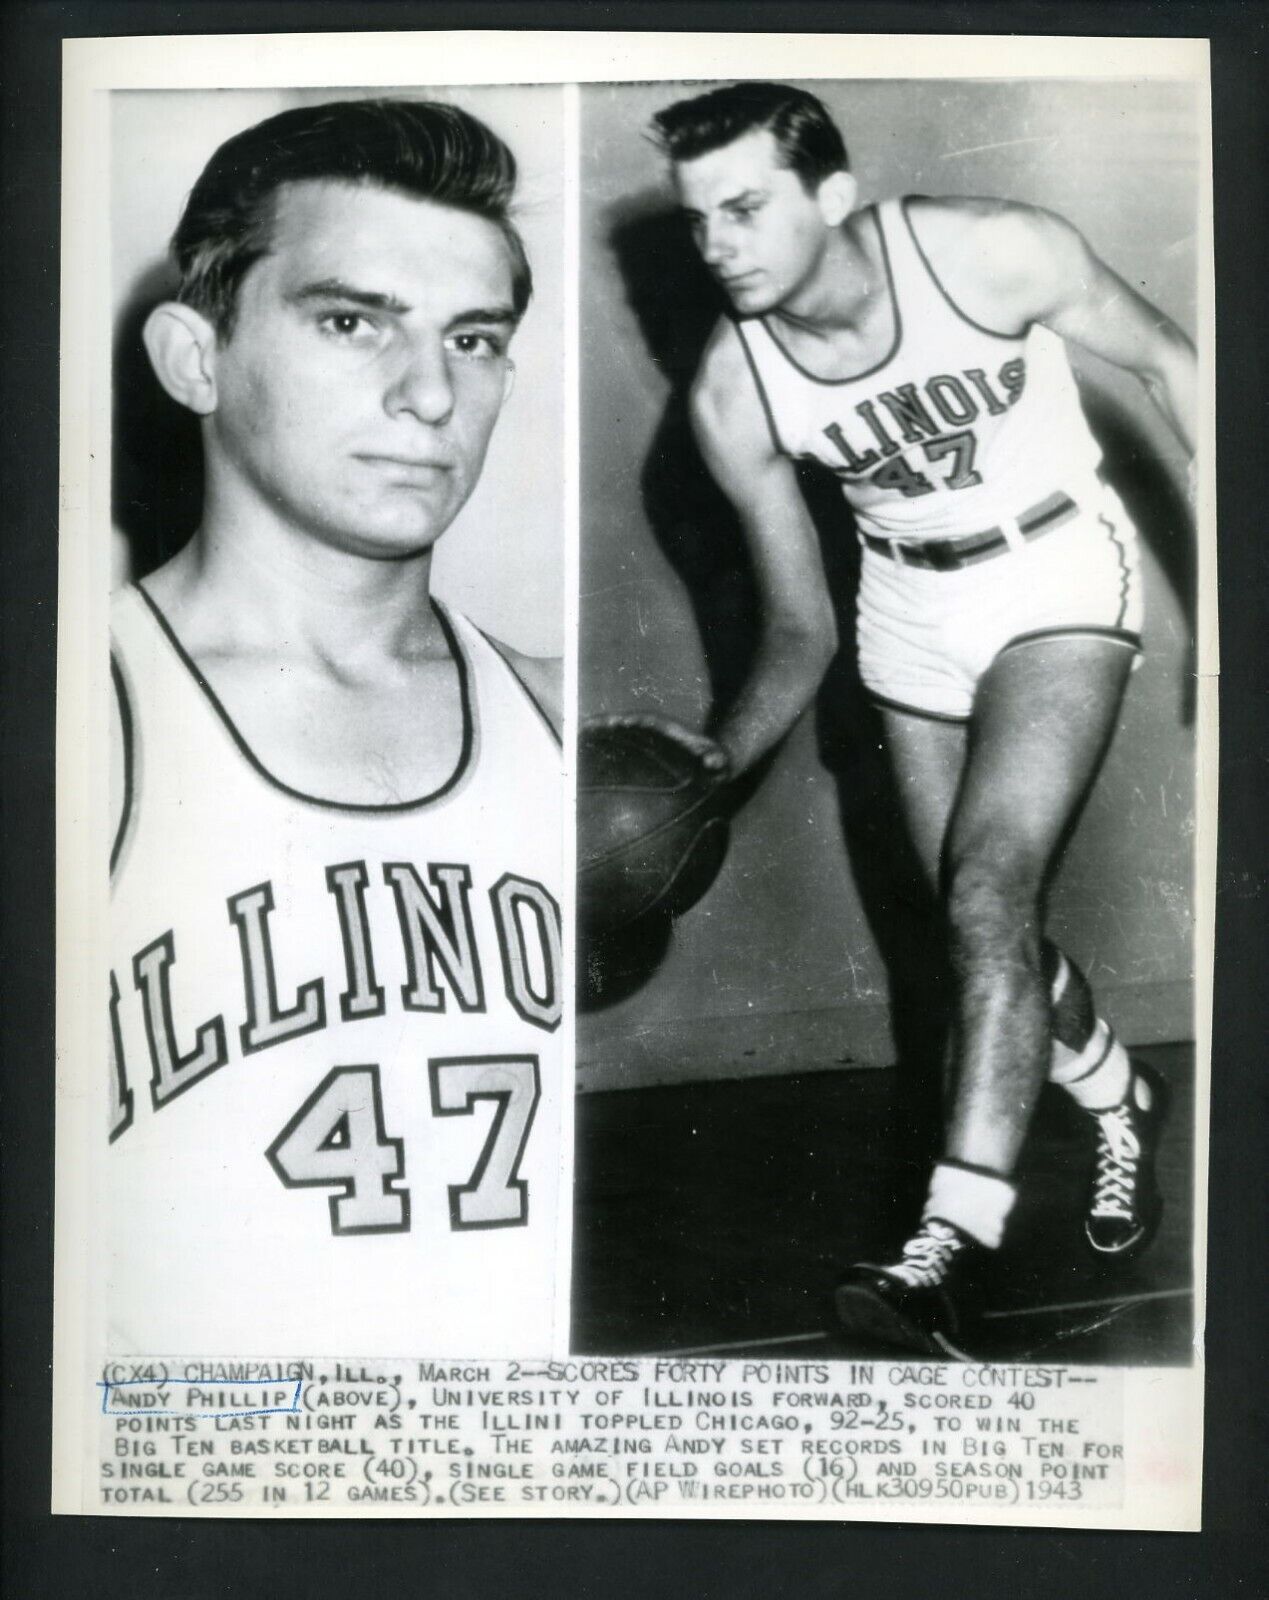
x=635 y=671
x=887 y=527
x=337 y=806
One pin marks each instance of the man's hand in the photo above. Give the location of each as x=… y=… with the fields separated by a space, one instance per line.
x=708 y=751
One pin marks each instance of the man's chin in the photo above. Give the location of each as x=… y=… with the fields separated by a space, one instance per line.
x=411 y=548
x=391 y=544
x=401 y=531
x=749 y=300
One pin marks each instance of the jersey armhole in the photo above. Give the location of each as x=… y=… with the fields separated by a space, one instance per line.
x=992 y=333
x=126 y=750
x=528 y=693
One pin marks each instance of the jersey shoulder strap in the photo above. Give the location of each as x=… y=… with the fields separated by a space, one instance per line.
x=918 y=287
x=772 y=373
x=920 y=299
x=500 y=690
x=161 y=684
x=170 y=731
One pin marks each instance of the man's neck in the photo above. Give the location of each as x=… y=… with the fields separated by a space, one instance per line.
x=844 y=289
x=229 y=592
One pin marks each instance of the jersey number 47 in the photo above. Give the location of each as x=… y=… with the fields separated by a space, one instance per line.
x=337 y=1140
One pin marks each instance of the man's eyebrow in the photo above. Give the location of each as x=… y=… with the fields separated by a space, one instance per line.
x=502 y=316
x=326 y=289
x=337 y=289
x=729 y=200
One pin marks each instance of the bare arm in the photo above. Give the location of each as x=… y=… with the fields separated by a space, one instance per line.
x=1093 y=306
x=1017 y=265
x=798 y=629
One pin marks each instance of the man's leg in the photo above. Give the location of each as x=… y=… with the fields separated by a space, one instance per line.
x=1127 y=1102
x=928 y=755
x=1042 y=720
x=1043 y=717
x=1086 y=1060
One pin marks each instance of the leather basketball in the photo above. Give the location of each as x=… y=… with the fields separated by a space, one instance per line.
x=651 y=832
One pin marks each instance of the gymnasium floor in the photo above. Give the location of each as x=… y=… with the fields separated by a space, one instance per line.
x=713 y=1219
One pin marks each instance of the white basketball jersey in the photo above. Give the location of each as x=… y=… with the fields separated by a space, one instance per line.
x=957 y=429
x=336 y=1104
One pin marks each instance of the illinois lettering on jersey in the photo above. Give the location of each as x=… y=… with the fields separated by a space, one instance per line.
x=954 y=430
x=336 y=1106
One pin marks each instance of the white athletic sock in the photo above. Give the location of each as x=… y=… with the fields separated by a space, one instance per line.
x=975 y=1202
x=1096 y=1077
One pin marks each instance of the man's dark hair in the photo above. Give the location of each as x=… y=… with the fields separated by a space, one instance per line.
x=419 y=147
x=808 y=139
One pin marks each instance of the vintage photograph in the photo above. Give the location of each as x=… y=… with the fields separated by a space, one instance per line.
x=634 y=668
x=887 y=800
x=338 y=1099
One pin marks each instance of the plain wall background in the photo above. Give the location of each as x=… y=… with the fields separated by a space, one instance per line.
x=781 y=958
x=513 y=525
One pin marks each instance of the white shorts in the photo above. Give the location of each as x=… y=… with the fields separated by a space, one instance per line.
x=927 y=637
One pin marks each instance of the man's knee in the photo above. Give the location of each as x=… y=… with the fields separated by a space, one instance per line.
x=993 y=909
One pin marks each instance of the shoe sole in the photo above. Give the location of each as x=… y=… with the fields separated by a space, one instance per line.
x=1152 y=1205
x=860 y=1311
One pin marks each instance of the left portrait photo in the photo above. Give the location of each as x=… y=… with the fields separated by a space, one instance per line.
x=333 y=1110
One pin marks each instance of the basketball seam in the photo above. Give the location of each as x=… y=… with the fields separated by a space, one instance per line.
x=627 y=845
x=665 y=892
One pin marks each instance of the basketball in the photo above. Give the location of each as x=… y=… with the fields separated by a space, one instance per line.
x=652 y=829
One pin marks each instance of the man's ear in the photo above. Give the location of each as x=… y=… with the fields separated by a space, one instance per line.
x=181 y=345
x=836 y=198
x=508 y=380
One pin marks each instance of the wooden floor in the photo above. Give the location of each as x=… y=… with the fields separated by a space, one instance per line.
x=716 y=1217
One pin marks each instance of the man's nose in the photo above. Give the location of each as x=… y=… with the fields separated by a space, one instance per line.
x=421 y=385
x=716 y=243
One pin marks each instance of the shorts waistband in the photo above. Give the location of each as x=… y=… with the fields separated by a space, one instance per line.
x=949 y=555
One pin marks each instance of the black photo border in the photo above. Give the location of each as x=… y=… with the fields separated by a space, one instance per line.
x=188 y=1559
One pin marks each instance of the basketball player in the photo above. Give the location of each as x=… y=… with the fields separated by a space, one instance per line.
x=916 y=348
x=336 y=986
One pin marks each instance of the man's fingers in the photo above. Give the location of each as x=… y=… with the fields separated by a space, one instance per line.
x=708 y=751
x=714 y=757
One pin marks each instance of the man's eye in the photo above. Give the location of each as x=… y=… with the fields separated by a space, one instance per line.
x=346 y=325
x=477 y=346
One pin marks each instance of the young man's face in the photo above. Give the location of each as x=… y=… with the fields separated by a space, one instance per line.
x=367 y=365
x=758 y=230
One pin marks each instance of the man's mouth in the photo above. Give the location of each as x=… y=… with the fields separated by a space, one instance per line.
x=408 y=466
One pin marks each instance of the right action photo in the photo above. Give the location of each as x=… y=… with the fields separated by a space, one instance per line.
x=886 y=774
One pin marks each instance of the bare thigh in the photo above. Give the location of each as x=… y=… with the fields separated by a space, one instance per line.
x=1043 y=718
x=927 y=756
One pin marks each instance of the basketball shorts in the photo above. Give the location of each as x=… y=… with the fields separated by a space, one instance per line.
x=926 y=637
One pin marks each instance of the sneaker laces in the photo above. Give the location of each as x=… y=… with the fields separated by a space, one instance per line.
x=1118 y=1151
x=928 y=1255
